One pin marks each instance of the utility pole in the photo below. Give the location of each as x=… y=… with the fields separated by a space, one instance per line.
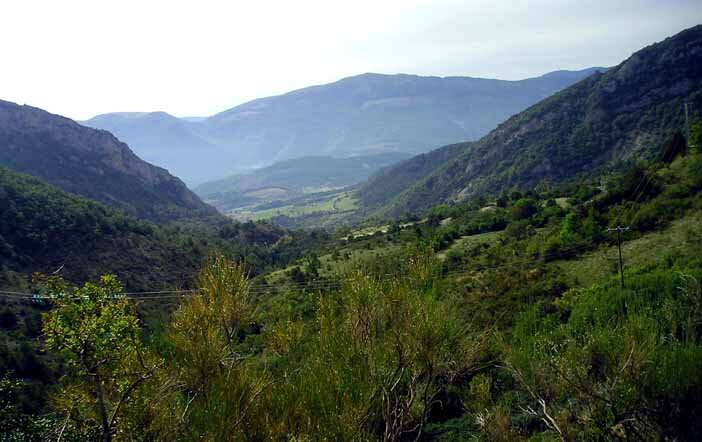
x=619 y=230
x=687 y=126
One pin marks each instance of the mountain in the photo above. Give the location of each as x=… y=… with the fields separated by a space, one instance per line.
x=291 y=178
x=603 y=121
x=361 y=115
x=180 y=145
x=91 y=163
x=391 y=181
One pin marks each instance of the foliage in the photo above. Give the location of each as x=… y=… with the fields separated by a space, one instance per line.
x=97 y=332
x=695 y=141
x=382 y=353
x=209 y=384
x=624 y=364
x=44 y=229
x=524 y=208
x=373 y=337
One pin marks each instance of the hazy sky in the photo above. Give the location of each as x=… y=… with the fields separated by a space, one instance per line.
x=199 y=57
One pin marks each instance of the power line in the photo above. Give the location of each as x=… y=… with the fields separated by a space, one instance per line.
x=318 y=284
x=336 y=283
x=304 y=285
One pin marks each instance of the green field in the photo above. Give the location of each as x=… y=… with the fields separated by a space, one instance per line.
x=333 y=203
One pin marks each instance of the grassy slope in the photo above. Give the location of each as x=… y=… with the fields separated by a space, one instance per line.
x=331 y=204
x=601 y=264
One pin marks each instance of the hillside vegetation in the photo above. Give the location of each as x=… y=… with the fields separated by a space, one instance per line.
x=43 y=229
x=541 y=284
x=601 y=122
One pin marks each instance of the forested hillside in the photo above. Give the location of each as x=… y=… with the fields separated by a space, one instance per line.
x=46 y=230
x=91 y=163
x=604 y=121
x=43 y=229
x=394 y=180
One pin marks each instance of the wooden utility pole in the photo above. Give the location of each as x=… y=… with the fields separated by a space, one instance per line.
x=687 y=126
x=619 y=230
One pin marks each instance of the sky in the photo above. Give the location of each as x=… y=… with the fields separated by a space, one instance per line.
x=199 y=57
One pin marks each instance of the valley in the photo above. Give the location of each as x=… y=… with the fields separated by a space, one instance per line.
x=380 y=258
x=328 y=203
x=294 y=189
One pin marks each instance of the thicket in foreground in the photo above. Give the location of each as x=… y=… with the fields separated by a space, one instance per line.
x=371 y=365
x=389 y=358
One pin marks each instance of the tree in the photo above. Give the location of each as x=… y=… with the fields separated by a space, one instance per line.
x=515 y=194
x=418 y=231
x=516 y=230
x=394 y=229
x=96 y=330
x=568 y=229
x=383 y=353
x=434 y=220
x=214 y=389
x=591 y=226
x=313 y=265
x=524 y=208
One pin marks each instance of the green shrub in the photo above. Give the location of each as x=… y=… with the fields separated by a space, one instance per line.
x=524 y=208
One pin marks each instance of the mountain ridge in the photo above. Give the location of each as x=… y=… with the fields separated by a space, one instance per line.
x=358 y=115
x=625 y=113
x=92 y=163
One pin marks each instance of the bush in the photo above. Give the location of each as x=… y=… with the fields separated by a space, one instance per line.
x=622 y=361
x=524 y=208
x=516 y=230
x=551 y=248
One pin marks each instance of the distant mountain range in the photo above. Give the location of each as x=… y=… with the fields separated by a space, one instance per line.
x=361 y=115
x=606 y=120
x=91 y=163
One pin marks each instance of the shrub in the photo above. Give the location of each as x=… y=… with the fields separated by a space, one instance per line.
x=524 y=208
x=516 y=230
